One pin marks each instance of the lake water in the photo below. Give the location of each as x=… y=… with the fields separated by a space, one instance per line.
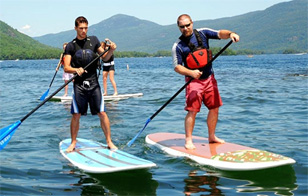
x=265 y=106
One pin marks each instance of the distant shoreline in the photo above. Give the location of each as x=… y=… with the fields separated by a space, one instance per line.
x=157 y=56
x=128 y=54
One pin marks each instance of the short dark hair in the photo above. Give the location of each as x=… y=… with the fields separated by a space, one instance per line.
x=183 y=16
x=79 y=20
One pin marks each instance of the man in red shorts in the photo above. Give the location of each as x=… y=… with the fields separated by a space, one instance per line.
x=203 y=87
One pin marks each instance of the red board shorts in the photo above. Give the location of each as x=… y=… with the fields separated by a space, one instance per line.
x=205 y=91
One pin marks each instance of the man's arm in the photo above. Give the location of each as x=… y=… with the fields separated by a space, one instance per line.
x=187 y=72
x=69 y=69
x=60 y=61
x=226 y=34
x=107 y=55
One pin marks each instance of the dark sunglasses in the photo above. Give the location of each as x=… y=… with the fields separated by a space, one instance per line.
x=183 y=26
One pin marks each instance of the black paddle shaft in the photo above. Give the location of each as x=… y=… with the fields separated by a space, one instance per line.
x=59 y=89
x=61 y=57
x=183 y=87
x=53 y=78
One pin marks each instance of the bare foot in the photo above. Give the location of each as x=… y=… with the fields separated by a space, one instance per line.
x=216 y=140
x=71 y=148
x=65 y=95
x=105 y=94
x=115 y=94
x=111 y=146
x=189 y=145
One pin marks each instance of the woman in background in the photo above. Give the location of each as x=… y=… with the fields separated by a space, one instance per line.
x=108 y=67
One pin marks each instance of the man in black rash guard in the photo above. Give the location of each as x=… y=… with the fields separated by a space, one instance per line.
x=79 y=53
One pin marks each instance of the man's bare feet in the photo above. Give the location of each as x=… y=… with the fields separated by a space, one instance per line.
x=115 y=94
x=105 y=94
x=65 y=95
x=71 y=148
x=111 y=146
x=189 y=145
x=216 y=140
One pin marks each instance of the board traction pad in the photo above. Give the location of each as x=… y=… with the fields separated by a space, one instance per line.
x=241 y=156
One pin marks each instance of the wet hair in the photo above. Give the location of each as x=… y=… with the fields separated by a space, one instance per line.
x=183 y=16
x=80 y=20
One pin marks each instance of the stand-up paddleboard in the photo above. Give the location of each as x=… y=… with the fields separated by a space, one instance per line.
x=227 y=156
x=106 y=98
x=94 y=157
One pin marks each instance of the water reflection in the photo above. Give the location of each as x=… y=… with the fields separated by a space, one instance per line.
x=136 y=182
x=278 y=181
x=201 y=183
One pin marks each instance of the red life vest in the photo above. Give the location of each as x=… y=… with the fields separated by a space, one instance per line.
x=199 y=56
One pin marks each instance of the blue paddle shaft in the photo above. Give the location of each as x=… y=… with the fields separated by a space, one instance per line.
x=133 y=140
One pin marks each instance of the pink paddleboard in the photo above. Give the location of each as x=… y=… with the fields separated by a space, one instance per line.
x=227 y=156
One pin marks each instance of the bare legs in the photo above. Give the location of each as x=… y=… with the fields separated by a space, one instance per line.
x=211 y=123
x=111 y=77
x=105 y=74
x=212 y=119
x=105 y=124
x=189 y=127
x=74 y=131
x=65 y=88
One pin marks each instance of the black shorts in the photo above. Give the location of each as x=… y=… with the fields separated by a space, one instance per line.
x=87 y=93
x=108 y=68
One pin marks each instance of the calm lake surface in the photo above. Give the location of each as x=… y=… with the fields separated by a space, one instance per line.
x=265 y=106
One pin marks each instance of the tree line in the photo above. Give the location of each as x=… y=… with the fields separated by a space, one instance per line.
x=25 y=53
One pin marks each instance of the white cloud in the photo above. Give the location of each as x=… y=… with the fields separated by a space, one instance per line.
x=26 y=27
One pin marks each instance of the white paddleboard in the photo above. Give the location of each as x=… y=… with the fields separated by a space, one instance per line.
x=227 y=156
x=106 y=98
x=95 y=157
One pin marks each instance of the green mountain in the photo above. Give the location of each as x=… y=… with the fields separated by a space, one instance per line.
x=15 y=45
x=273 y=30
x=282 y=27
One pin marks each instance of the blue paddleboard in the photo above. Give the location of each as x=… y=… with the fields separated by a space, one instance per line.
x=95 y=157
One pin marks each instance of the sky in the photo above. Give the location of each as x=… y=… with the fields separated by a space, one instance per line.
x=41 y=17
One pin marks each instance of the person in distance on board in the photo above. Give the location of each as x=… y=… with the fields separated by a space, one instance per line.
x=66 y=76
x=108 y=68
x=79 y=53
x=203 y=87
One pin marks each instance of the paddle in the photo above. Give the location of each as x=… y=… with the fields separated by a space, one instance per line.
x=178 y=92
x=6 y=133
x=46 y=93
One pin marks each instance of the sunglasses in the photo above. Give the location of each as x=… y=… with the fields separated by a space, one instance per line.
x=183 y=26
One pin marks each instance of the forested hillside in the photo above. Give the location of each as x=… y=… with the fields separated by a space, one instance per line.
x=15 y=45
x=279 y=28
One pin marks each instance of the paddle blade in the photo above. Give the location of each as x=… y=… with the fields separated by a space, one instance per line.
x=133 y=140
x=44 y=95
x=6 y=134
